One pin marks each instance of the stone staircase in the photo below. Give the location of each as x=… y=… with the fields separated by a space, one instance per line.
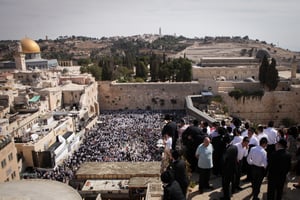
x=224 y=87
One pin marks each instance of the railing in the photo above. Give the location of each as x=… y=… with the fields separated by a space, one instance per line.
x=193 y=111
x=4 y=141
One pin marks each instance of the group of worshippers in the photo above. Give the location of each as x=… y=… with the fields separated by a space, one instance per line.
x=228 y=150
x=118 y=137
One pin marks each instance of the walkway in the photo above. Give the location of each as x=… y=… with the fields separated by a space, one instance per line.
x=290 y=193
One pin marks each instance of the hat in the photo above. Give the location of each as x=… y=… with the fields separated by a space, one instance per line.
x=167 y=117
x=283 y=143
x=167 y=176
x=182 y=121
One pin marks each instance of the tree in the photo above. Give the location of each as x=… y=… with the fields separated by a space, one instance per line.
x=84 y=61
x=184 y=71
x=107 y=68
x=122 y=74
x=268 y=74
x=154 y=67
x=141 y=70
x=164 y=72
x=272 y=77
x=263 y=70
x=65 y=71
x=94 y=70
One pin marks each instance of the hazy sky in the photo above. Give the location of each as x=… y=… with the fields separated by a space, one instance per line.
x=273 y=21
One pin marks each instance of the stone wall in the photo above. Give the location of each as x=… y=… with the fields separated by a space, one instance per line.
x=159 y=96
x=229 y=73
x=275 y=106
x=154 y=96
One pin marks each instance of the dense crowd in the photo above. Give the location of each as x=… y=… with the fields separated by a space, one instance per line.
x=117 y=137
x=134 y=136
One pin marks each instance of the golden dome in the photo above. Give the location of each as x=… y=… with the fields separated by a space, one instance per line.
x=29 y=46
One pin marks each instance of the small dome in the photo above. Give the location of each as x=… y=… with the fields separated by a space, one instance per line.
x=29 y=46
x=36 y=189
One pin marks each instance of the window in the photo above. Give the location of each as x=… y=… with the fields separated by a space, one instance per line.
x=3 y=163
x=13 y=175
x=10 y=157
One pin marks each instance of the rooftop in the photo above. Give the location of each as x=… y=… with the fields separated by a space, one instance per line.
x=118 y=170
x=36 y=189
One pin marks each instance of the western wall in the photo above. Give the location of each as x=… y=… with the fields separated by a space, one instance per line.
x=153 y=96
x=274 y=105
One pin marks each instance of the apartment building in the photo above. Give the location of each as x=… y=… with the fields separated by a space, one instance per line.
x=9 y=169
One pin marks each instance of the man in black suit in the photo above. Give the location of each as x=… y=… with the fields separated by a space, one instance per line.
x=229 y=167
x=171 y=128
x=178 y=167
x=279 y=166
x=192 y=137
x=171 y=187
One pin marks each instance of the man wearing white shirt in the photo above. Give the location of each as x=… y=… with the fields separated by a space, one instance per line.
x=237 y=138
x=242 y=148
x=272 y=134
x=253 y=141
x=261 y=133
x=167 y=151
x=245 y=132
x=206 y=125
x=257 y=159
x=272 y=137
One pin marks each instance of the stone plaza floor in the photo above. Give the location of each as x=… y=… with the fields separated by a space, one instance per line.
x=290 y=193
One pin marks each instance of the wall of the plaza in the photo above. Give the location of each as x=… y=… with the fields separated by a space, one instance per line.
x=272 y=106
x=154 y=96
x=275 y=106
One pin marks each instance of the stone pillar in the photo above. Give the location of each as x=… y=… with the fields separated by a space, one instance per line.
x=20 y=58
x=294 y=69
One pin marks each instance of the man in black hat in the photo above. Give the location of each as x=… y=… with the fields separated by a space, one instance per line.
x=171 y=187
x=170 y=127
x=279 y=166
x=229 y=167
x=178 y=167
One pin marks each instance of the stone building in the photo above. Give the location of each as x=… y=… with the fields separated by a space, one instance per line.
x=8 y=157
x=80 y=92
x=225 y=73
x=39 y=147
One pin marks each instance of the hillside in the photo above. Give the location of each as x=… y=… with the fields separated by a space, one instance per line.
x=237 y=49
x=67 y=48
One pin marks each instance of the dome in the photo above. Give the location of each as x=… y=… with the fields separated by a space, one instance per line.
x=29 y=46
x=36 y=189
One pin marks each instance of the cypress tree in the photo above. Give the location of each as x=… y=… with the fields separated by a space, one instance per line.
x=263 y=70
x=272 y=77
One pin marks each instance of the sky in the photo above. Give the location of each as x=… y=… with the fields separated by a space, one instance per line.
x=273 y=21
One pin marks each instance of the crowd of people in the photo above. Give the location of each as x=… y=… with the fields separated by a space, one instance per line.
x=229 y=149
x=117 y=137
x=225 y=149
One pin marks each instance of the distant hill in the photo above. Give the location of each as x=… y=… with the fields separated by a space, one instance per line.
x=67 y=48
